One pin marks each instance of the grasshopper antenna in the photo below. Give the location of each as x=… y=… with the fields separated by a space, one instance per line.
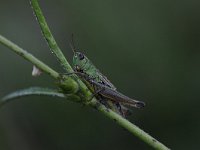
x=72 y=45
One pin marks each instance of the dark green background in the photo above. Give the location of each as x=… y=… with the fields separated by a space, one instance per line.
x=149 y=49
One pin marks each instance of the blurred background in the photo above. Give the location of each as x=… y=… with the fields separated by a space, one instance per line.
x=149 y=49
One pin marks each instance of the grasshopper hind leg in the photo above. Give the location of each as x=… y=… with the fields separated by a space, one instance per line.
x=126 y=112
x=111 y=105
x=123 y=110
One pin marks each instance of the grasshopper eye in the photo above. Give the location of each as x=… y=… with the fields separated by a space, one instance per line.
x=81 y=56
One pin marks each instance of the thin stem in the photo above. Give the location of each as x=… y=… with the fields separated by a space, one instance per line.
x=94 y=103
x=70 y=85
x=21 y=52
x=130 y=127
x=120 y=120
x=54 y=47
x=82 y=88
x=49 y=37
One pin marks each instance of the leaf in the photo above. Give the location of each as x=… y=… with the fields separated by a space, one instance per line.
x=31 y=91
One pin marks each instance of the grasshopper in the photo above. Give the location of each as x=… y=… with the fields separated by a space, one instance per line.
x=85 y=69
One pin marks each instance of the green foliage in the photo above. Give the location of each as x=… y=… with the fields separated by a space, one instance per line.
x=70 y=85
x=31 y=91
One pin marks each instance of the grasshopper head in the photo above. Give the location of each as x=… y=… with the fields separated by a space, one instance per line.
x=79 y=61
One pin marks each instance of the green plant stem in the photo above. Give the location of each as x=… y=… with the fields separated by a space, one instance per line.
x=21 y=52
x=120 y=120
x=94 y=103
x=72 y=86
x=130 y=127
x=49 y=37
x=55 y=48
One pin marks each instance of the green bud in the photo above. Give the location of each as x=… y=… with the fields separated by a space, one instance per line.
x=68 y=85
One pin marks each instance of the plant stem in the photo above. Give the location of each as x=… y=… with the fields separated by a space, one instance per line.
x=21 y=52
x=94 y=103
x=130 y=127
x=49 y=37
x=54 y=47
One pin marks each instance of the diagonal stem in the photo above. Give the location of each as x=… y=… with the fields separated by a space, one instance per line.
x=130 y=127
x=21 y=52
x=94 y=103
x=49 y=37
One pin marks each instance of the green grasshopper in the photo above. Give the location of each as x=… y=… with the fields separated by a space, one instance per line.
x=102 y=86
